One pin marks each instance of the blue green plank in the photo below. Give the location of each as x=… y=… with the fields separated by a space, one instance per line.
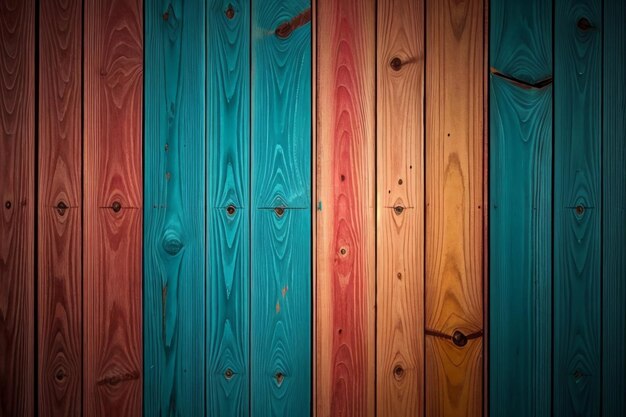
x=281 y=211
x=228 y=141
x=614 y=211
x=577 y=206
x=174 y=214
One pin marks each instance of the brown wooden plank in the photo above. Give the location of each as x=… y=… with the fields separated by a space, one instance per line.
x=345 y=316
x=60 y=201
x=17 y=222
x=400 y=202
x=454 y=198
x=113 y=79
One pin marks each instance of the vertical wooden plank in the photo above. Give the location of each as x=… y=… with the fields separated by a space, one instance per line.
x=614 y=211
x=400 y=203
x=228 y=116
x=113 y=79
x=281 y=217
x=174 y=301
x=346 y=253
x=521 y=208
x=577 y=206
x=60 y=208
x=17 y=196
x=454 y=218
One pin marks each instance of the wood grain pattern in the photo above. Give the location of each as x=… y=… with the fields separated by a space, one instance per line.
x=174 y=215
x=228 y=202
x=281 y=218
x=577 y=206
x=113 y=79
x=17 y=199
x=454 y=218
x=521 y=208
x=400 y=202
x=60 y=209
x=345 y=280
x=614 y=211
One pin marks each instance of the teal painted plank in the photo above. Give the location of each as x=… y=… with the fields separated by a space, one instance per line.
x=577 y=207
x=174 y=210
x=614 y=211
x=228 y=118
x=521 y=208
x=281 y=242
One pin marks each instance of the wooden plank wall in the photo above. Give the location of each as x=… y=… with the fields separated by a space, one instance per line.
x=428 y=175
x=345 y=336
x=280 y=357
x=17 y=196
x=112 y=244
x=521 y=263
x=174 y=215
x=60 y=282
x=228 y=205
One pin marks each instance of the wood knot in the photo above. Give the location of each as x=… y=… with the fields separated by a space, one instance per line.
x=279 y=211
x=279 y=377
x=61 y=207
x=231 y=210
x=285 y=29
x=172 y=244
x=116 y=206
x=343 y=251
x=59 y=375
x=166 y=16
x=580 y=209
x=398 y=372
x=395 y=64
x=459 y=338
x=7 y=205
x=399 y=275
x=398 y=210
x=229 y=374
x=583 y=24
x=230 y=12
x=577 y=374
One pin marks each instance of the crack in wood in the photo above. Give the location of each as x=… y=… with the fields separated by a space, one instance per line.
x=539 y=85
x=116 y=379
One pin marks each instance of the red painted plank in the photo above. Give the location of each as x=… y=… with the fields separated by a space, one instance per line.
x=60 y=201
x=113 y=79
x=345 y=293
x=17 y=178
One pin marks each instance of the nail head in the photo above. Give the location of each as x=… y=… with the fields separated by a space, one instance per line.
x=459 y=338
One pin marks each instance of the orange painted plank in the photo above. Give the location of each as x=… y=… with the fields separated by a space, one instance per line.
x=17 y=209
x=400 y=202
x=454 y=199
x=345 y=293
x=113 y=79
x=60 y=214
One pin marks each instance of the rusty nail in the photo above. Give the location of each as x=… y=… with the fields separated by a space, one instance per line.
x=116 y=206
x=230 y=12
x=279 y=211
x=580 y=209
x=230 y=210
x=398 y=210
x=396 y=64
x=459 y=338
x=7 y=205
x=583 y=23
x=229 y=373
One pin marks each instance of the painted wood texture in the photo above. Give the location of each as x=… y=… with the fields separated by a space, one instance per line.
x=228 y=203
x=112 y=247
x=60 y=209
x=454 y=218
x=346 y=252
x=400 y=202
x=174 y=274
x=577 y=206
x=614 y=211
x=281 y=213
x=17 y=196
x=521 y=208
